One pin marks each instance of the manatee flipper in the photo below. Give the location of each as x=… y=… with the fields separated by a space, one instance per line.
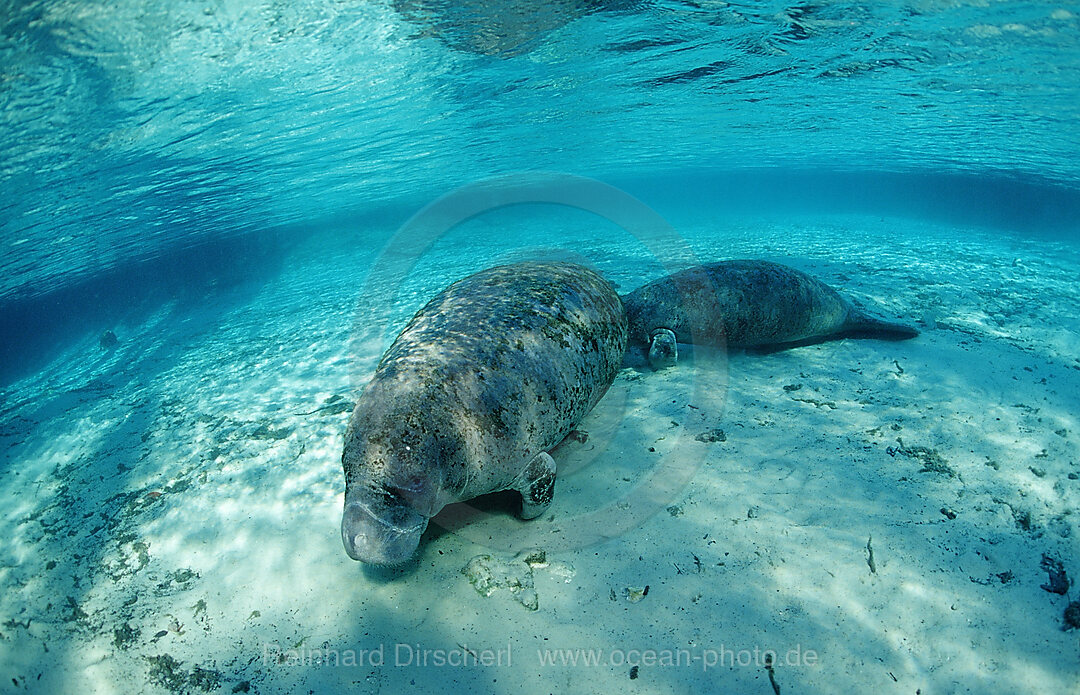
x=860 y=325
x=663 y=349
x=536 y=483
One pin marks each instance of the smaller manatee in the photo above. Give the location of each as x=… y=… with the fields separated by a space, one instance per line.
x=744 y=304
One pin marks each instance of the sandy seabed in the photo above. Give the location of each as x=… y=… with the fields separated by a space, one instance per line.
x=847 y=516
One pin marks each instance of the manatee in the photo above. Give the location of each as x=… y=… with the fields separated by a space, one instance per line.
x=744 y=304
x=491 y=374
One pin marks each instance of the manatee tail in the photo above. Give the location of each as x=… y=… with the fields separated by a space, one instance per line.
x=862 y=326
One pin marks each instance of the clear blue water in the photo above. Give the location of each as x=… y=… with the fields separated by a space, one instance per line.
x=217 y=182
x=133 y=128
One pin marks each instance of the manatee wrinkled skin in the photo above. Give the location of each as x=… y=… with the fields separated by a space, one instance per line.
x=488 y=376
x=745 y=304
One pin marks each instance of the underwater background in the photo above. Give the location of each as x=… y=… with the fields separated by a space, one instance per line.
x=215 y=216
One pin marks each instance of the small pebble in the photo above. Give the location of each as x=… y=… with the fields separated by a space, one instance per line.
x=713 y=435
x=1072 y=615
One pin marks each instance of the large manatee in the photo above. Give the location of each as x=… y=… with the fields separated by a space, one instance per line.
x=482 y=382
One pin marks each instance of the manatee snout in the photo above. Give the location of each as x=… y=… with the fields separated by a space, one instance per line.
x=663 y=350
x=386 y=537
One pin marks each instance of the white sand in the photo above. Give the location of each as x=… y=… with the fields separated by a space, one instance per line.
x=171 y=508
